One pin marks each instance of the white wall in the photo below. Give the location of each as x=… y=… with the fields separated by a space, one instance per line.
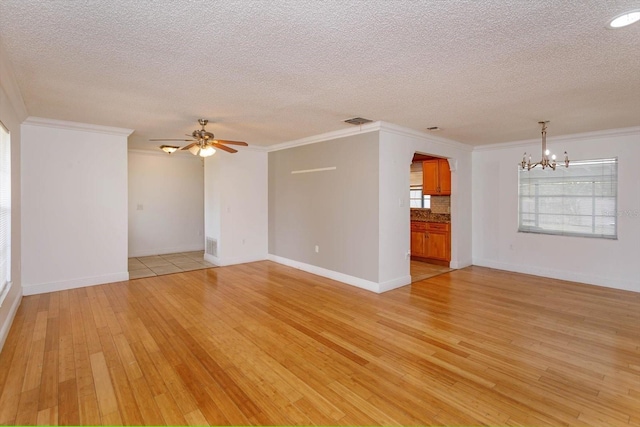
x=390 y=174
x=397 y=147
x=236 y=204
x=496 y=242
x=335 y=210
x=74 y=205
x=166 y=203
x=12 y=113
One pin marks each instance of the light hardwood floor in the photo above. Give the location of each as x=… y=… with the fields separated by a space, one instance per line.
x=262 y=343
x=422 y=270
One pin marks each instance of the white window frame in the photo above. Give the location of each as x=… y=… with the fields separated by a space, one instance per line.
x=580 y=200
x=5 y=212
x=425 y=200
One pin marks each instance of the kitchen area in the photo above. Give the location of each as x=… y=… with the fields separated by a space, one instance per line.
x=430 y=207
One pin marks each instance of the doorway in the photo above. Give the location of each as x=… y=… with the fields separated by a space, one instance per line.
x=430 y=210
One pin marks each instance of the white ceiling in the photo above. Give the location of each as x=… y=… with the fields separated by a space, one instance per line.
x=273 y=71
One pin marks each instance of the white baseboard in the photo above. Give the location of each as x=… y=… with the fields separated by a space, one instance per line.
x=4 y=332
x=63 y=285
x=341 y=277
x=162 y=251
x=460 y=264
x=222 y=262
x=590 y=279
x=394 y=284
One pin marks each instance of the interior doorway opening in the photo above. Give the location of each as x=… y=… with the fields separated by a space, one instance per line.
x=430 y=209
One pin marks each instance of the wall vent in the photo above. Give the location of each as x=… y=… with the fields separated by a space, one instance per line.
x=357 y=121
x=211 y=246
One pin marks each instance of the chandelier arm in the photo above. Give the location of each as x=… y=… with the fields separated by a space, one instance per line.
x=545 y=161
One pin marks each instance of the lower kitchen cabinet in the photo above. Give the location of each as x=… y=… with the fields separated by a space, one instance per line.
x=431 y=241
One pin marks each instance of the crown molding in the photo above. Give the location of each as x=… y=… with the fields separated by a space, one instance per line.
x=563 y=138
x=370 y=127
x=10 y=86
x=356 y=130
x=62 y=124
x=403 y=131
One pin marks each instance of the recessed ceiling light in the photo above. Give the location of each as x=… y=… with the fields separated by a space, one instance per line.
x=624 y=19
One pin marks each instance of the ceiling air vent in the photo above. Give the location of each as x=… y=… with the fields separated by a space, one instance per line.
x=357 y=121
x=434 y=129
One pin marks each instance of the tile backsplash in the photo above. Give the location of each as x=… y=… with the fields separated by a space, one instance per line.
x=441 y=204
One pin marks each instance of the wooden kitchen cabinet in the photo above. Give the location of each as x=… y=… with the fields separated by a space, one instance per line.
x=418 y=239
x=431 y=241
x=436 y=177
x=438 y=241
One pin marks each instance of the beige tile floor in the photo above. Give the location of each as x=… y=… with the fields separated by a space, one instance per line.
x=158 y=265
x=422 y=270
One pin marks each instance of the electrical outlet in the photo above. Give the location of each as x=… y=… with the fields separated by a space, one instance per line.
x=317 y=249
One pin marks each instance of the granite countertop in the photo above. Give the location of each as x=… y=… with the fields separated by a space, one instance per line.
x=426 y=215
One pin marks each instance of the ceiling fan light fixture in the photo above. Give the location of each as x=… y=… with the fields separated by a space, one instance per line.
x=169 y=148
x=207 y=151
x=202 y=143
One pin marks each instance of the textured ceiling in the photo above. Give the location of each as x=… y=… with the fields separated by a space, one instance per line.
x=272 y=71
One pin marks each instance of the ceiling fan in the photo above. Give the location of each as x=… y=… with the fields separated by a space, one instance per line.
x=202 y=142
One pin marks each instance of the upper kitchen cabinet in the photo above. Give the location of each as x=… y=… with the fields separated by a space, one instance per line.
x=436 y=177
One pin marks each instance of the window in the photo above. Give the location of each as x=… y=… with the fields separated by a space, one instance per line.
x=580 y=200
x=5 y=212
x=417 y=199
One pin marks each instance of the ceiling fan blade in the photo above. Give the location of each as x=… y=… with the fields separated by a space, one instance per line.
x=186 y=147
x=223 y=148
x=224 y=141
x=165 y=139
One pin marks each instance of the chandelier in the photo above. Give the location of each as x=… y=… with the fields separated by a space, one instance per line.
x=544 y=162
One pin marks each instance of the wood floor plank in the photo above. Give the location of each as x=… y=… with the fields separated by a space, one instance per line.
x=107 y=401
x=48 y=417
x=127 y=404
x=89 y=412
x=146 y=403
x=27 y=413
x=66 y=358
x=265 y=344
x=49 y=381
x=195 y=418
x=170 y=410
x=68 y=405
x=15 y=368
x=33 y=374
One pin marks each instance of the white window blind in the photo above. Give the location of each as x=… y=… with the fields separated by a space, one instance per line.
x=5 y=212
x=580 y=200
